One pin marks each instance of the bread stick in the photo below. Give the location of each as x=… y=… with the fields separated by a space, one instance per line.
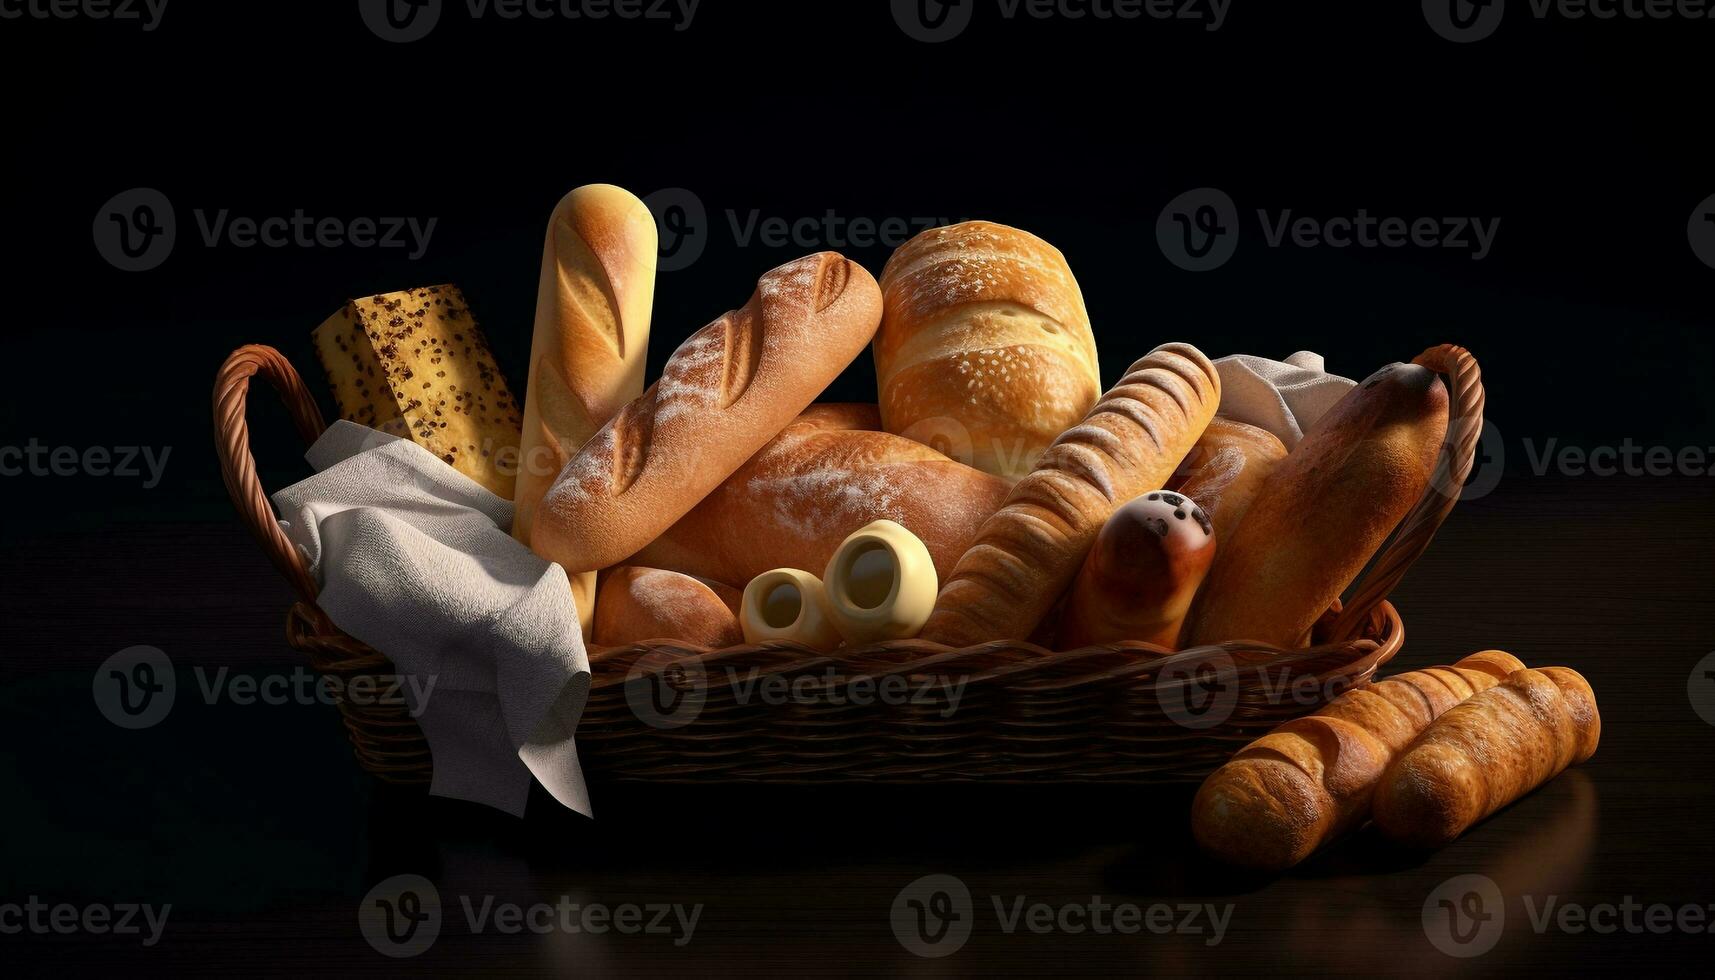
x=1311 y=779
x=1487 y=752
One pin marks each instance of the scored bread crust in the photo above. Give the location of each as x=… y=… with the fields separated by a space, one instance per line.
x=1288 y=793
x=1027 y=554
x=723 y=394
x=826 y=475
x=985 y=342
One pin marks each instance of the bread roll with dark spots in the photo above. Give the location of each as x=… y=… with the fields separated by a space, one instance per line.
x=1140 y=576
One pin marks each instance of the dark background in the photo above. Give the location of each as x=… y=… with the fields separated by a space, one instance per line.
x=1588 y=139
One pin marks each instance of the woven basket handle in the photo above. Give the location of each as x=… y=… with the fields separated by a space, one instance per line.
x=238 y=466
x=1452 y=468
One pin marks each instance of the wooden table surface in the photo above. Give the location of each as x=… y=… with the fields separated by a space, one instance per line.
x=252 y=823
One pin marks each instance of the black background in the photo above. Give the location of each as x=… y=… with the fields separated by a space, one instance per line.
x=1587 y=139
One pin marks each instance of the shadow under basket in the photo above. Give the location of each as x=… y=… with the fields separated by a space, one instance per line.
x=903 y=711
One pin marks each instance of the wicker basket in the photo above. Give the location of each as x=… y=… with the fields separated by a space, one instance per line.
x=902 y=711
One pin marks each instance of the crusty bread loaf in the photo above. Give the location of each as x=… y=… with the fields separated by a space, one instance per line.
x=1027 y=554
x=1324 y=511
x=1487 y=752
x=826 y=475
x=637 y=604
x=1140 y=576
x=985 y=350
x=1300 y=786
x=1226 y=469
x=723 y=395
x=593 y=302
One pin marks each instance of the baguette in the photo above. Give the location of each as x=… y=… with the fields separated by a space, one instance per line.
x=593 y=303
x=1311 y=779
x=1227 y=469
x=1325 y=510
x=723 y=395
x=1140 y=576
x=1487 y=752
x=1027 y=554
x=829 y=473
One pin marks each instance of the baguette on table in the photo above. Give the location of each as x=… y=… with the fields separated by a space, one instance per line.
x=827 y=474
x=593 y=303
x=1028 y=553
x=1313 y=778
x=1487 y=752
x=728 y=390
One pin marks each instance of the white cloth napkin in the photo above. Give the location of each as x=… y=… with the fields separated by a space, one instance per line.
x=413 y=558
x=1284 y=397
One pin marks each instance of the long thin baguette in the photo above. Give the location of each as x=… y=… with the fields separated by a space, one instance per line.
x=1311 y=779
x=1027 y=554
x=723 y=395
x=1487 y=752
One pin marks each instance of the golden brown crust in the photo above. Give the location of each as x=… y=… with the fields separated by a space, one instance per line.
x=984 y=332
x=1226 y=469
x=593 y=304
x=1296 y=788
x=824 y=476
x=722 y=396
x=1324 y=511
x=637 y=604
x=1140 y=576
x=1486 y=753
x=1027 y=554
